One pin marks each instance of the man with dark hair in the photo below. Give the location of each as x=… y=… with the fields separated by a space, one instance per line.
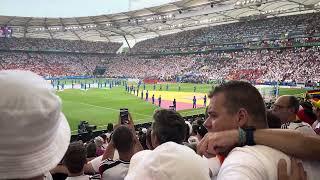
x=238 y=97
x=75 y=159
x=239 y=105
x=168 y=126
x=124 y=141
x=286 y=109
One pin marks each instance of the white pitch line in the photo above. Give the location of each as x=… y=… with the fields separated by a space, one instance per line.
x=107 y=108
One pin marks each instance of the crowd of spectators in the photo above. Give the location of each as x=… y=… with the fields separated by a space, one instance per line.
x=51 y=64
x=241 y=32
x=298 y=64
x=265 y=65
x=40 y=44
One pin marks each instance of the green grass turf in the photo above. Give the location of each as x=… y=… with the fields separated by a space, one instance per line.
x=101 y=106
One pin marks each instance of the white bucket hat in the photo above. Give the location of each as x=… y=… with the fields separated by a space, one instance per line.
x=34 y=134
x=170 y=161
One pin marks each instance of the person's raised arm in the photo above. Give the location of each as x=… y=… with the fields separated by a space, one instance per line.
x=137 y=145
x=288 y=141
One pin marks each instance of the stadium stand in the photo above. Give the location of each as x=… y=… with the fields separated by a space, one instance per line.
x=256 y=54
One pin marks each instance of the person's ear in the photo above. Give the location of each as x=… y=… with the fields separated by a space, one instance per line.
x=154 y=140
x=242 y=117
x=291 y=110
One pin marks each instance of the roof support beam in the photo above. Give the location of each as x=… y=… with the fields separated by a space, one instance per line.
x=103 y=35
x=47 y=29
x=97 y=29
x=25 y=26
x=76 y=35
x=225 y=15
x=299 y=3
x=12 y=18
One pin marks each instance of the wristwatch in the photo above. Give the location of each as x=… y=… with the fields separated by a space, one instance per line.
x=249 y=135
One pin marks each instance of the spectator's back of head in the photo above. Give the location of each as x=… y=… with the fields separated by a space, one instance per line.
x=168 y=126
x=91 y=150
x=123 y=139
x=34 y=133
x=75 y=158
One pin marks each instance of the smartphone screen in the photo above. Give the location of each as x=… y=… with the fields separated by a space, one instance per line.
x=124 y=115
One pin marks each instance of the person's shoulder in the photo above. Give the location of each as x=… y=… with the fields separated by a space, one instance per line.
x=302 y=127
x=251 y=162
x=108 y=164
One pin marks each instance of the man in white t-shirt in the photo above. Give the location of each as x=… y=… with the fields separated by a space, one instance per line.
x=286 y=109
x=125 y=142
x=234 y=105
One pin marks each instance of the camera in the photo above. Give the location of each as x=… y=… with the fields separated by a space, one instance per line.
x=85 y=127
x=124 y=116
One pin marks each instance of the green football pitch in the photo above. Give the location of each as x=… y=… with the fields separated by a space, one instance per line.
x=101 y=106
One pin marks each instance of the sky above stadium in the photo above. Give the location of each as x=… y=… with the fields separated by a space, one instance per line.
x=72 y=8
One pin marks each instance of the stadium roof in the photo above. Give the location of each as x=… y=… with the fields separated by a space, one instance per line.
x=160 y=20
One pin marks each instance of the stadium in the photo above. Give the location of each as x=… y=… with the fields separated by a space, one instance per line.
x=132 y=63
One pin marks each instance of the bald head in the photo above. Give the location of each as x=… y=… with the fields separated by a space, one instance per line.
x=290 y=102
x=286 y=107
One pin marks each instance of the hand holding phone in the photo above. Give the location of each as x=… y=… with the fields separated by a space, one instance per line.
x=124 y=116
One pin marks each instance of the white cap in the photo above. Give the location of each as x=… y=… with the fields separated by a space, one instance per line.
x=169 y=161
x=34 y=134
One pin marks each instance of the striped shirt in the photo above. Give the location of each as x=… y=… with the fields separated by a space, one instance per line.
x=300 y=126
x=113 y=170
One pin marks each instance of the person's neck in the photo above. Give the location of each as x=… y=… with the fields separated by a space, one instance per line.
x=125 y=156
x=293 y=118
x=76 y=174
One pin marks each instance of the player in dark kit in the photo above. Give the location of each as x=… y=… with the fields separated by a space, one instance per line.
x=147 y=95
x=194 y=105
x=152 y=98
x=174 y=103
x=205 y=101
x=159 y=99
